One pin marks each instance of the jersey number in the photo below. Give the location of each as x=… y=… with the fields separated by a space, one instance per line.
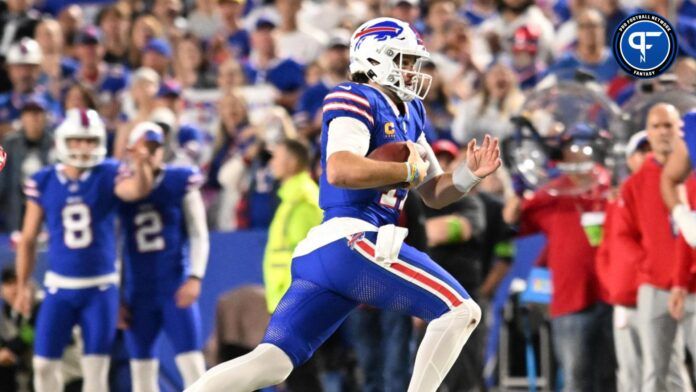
x=389 y=199
x=148 y=236
x=77 y=233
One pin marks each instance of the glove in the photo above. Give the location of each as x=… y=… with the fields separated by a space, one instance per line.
x=686 y=222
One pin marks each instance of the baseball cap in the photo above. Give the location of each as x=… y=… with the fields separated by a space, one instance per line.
x=265 y=22
x=159 y=46
x=413 y=3
x=148 y=74
x=169 y=88
x=148 y=131
x=26 y=51
x=636 y=141
x=525 y=39
x=339 y=38
x=189 y=133
x=34 y=102
x=445 y=146
x=88 y=36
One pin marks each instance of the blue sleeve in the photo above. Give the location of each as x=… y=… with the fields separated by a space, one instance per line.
x=346 y=100
x=422 y=120
x=192 y=178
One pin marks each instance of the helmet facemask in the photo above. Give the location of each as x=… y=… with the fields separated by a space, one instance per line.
x=81 y=157
x=393 y=74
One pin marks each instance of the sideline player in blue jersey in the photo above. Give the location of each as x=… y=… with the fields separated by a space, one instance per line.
x=77 y=199
x=166 y=252
x=678 y=167
x=357 y=255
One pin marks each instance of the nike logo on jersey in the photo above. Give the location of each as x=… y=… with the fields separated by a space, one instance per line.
x=347 y=88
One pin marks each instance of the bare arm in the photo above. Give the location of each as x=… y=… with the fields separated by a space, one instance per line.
x=676 y=171
x=448 y=229
x=450 y=187
x=349 y=170
x=26 y=254
x=139 y=184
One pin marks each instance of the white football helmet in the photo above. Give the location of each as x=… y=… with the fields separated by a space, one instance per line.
x=81 y=124
x=377 y=49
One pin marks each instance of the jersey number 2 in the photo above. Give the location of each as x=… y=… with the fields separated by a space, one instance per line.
x=77 y=233
x=148 y=235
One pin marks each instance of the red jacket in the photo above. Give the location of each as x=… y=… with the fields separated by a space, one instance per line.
x=649 y=223
x=618 y=258
x=570 y=256
x=685 y=266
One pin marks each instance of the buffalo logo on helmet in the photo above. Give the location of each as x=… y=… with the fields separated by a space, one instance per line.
x=380 y=32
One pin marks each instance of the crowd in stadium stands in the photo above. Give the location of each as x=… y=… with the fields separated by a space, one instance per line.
x=232 y=81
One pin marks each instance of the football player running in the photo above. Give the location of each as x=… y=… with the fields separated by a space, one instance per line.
x=357 y=254
x=77 y=199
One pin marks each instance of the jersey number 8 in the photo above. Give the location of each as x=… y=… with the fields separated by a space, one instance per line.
x=77 y=233
x=148 y=236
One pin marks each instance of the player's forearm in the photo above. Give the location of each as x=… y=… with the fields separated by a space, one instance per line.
x=197 y=229
x=26 y=256
x=347 y=170
x=139 y=185
x=440 y=191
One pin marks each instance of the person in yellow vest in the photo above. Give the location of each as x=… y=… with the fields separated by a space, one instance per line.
x=297 y=213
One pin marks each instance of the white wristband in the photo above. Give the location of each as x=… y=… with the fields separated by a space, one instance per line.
x=464 y=179
x=408 y=172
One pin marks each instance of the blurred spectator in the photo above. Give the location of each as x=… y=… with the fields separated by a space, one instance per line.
x=513 y=14
x=79 y=96
x=614 y=13
x=525 y=61
x=566 y=211
x=440 y=14
x=649 y=227
x=114 y=22
x=168 y=12
x=18 y=21
x=266 y=66
x=23 y=67
x=406 y=10
x=230 y=76
x=567 y=32
x=71 y=19
x=437 y=105
x=169 y=96
x=685 y=70
x=191 y=67
x=93 y=71
x=478 y=11
x=335 y=63
x=489 y=111
x=591 y=54
x=205 y=19
x=233 y=35
x=189 y=146
x=460 y=60
x=303 y=44
x=56 y=68
x=145 y=28
x=31 y=148
x=16 y=334
x=157 y=55
x=139 y=105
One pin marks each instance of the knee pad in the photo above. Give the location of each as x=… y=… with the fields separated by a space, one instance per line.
x=466 y=316
x=48 y=375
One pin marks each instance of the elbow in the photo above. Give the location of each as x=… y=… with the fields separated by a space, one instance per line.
x=433 y=203
x=335 y=176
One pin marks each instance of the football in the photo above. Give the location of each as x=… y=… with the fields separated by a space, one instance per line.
x=3 y=158
x=390 y=152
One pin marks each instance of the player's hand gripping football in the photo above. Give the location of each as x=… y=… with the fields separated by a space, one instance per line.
x=417 y=167
x=188 y=293
x=483 y=160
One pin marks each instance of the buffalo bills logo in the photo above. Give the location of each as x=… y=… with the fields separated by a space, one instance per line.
x=380 y=31
x=84 y=119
